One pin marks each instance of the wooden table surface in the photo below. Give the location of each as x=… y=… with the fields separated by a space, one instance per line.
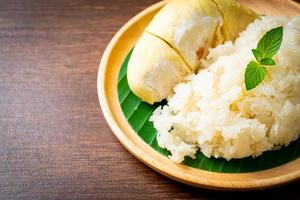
x=54 y=141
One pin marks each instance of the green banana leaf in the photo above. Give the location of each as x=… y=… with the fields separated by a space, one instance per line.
x=138 y=113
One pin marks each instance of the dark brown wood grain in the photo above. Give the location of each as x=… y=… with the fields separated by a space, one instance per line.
x=54 y=141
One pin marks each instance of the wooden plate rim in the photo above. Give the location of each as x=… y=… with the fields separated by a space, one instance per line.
x=108 y=72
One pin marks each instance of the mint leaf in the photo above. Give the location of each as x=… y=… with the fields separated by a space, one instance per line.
x=254 y=75
x=257 y=54
x=267 y=61
x=270 y=42
x=267 y=47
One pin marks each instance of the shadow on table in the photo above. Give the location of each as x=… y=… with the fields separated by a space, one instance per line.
x=289 y=191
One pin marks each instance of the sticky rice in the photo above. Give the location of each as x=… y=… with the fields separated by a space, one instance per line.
x=211 y=111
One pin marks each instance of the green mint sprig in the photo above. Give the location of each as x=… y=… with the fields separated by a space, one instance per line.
x=267 y=47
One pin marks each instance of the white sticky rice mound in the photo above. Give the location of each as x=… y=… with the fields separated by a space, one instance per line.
x=213 y=112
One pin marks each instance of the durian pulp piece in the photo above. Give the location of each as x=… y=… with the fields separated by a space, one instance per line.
x=235 y=16
x=190 y=27
x=154 y=68
x=177 y=38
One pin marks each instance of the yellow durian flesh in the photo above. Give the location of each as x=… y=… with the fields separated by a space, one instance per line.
x=235 y=16
x=189 y=26
x=175 y=40
x=154 y=68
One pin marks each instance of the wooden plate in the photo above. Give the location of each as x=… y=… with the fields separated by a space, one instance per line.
x=110 y=65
